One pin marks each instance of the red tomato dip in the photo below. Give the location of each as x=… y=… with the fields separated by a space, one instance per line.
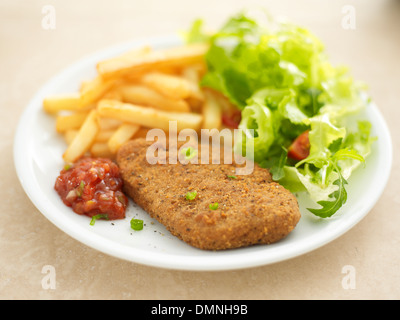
x=93 y=186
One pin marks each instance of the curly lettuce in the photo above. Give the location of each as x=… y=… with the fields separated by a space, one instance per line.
x=281 y=79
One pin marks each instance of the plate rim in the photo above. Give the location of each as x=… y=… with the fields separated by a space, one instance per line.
x=160 y=259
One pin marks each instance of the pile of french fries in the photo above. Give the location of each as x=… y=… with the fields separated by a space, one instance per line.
x=132 y=93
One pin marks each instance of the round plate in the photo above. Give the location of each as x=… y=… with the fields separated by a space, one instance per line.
x=38 y=153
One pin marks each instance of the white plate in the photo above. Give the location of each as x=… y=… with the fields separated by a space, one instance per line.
x=38 y=159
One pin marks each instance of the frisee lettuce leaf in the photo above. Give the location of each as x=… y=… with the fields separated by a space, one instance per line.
x=196 y=33
x=279 y=76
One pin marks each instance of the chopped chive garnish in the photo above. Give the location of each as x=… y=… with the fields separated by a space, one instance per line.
x=121 y=199
x=137 y=224
x=232 y=177
x=214 y=206
x=189 y=152
x=80 y=189
x=98 y=216
x=191 y=195
x=67 y=166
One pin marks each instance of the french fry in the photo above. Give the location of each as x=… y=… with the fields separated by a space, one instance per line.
x=124 y=133
x=90 y=92
x=83 y=85
x=212 y=112
x=168 y=85
x=199 y=68
x=83 y=140
x=69 y=122
x=131 y=94
x=104 y=135
x=142 y=133
x=133 y=53
x=196 y=97
x=191 y=74
x=93 y=90
x=148 y=117
x=106 y=124
x=142 y=95
x=120 y=62
x=184 y=55
x=137 y=76
x=101 y=149
x=56 y=103
x=113 y=94
x=70 y=135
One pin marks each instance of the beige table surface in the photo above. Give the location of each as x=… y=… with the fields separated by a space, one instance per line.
x=30 y=55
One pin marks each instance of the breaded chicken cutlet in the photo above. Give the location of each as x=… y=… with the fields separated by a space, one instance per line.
x=252 y=209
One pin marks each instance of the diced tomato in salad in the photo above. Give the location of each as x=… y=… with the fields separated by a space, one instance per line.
x=300 y=148
x=232 y=118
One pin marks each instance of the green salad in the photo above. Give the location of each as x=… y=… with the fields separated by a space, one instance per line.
x=301 y=108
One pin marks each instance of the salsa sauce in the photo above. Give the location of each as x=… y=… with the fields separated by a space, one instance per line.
x=93 y=186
